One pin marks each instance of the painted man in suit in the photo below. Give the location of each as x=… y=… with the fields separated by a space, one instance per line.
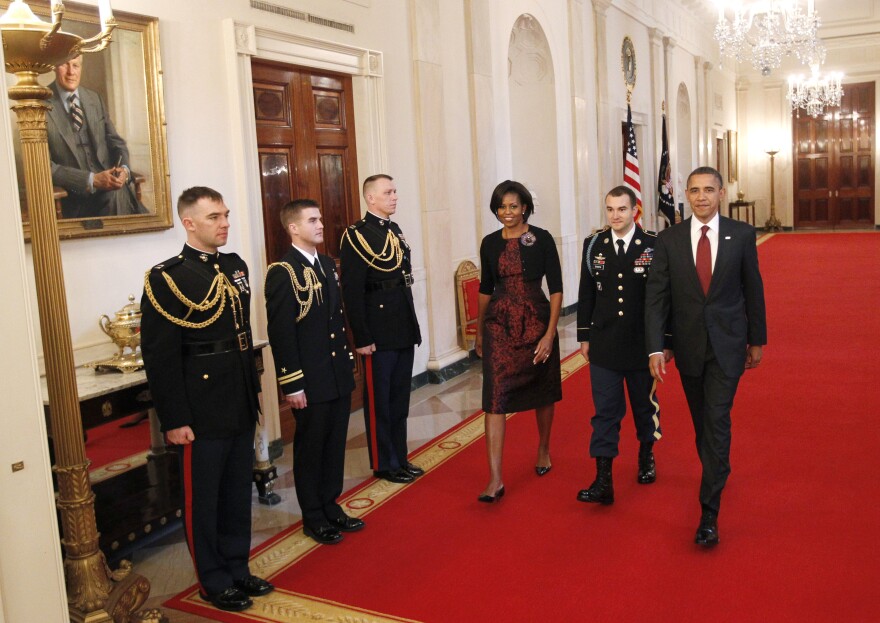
x=89 y=158
x=199 y=359
x=314 y=367
x=377 y=287
x=611 y=331
x=705 y=283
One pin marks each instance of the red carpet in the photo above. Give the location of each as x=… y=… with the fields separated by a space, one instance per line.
x=109 y=445
x=798 y=520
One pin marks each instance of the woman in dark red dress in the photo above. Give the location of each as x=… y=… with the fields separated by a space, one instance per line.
x=516 y=330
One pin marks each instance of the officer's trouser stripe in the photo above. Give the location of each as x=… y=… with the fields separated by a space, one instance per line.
x=187 y=508
x=655 y=417
x=371 y=401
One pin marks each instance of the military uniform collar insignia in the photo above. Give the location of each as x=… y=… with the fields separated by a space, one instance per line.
x=378 y=220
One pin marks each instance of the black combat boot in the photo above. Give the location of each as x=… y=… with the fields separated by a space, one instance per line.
x=602 y=489
x=647 y=468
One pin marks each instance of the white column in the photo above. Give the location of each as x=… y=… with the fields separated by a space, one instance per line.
x=605 y=120
x=658 y=96
x=700 y=111
x=434 y=185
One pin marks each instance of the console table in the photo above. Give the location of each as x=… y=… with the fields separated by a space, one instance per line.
x=138 y=498
x=737 y=205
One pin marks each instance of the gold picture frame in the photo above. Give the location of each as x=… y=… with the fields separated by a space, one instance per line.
x=732 y=157
x=127 y=77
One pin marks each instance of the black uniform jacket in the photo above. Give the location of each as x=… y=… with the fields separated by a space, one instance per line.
x=379 y=303
x=730 y=317
x=611 y=299
x=200 y=377
x=538 y=259
x=311 y=354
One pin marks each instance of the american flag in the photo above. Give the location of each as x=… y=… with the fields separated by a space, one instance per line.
x=631 y=165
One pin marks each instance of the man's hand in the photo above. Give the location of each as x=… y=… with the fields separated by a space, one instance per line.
x=753 y=356
x=657 y=365
x=110 y=179
x=297 y=401
x=366 y=350
x=585 y=351
x=180 y=436
x=668 y=355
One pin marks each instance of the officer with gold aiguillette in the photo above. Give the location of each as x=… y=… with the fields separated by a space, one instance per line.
x=199 y=360
x=314 y=367
x=377 y=290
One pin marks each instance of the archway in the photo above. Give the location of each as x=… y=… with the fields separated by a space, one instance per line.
x=532 y=92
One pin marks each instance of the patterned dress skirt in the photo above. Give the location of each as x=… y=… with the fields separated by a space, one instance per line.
x=515 y=321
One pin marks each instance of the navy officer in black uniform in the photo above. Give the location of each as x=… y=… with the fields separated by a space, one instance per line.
x=376 y=286
x=314 y=367
x=199 y=360
x=611 y=332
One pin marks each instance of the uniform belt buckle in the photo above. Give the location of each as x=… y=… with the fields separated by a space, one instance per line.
x=242 y=341
x=408 y=280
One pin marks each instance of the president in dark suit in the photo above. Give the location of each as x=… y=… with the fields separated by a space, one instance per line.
x=314 y=367
x=89 y=158
x=705 y=279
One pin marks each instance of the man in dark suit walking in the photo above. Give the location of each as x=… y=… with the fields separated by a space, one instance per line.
x=377 y=287
x=705 y=282
x=89 y=158
x=611 y=331
x=314 y=367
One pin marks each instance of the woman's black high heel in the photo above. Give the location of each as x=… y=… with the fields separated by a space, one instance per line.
x=490 y=499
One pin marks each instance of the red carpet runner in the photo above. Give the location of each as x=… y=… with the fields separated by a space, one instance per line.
x=798 y=521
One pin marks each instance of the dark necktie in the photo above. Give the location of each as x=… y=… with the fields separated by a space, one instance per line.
x=76 y=113
x=620 y=251
x=704 y=260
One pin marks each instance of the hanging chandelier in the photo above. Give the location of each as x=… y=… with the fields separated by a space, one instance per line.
x=766 y=31
x=813 y=94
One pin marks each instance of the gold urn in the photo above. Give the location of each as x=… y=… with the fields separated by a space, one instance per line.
x=125 y=331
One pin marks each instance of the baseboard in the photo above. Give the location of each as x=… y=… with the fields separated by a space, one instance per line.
x=446 y=373
x=568 y=310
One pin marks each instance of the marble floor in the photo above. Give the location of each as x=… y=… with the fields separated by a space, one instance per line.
x=433 y=410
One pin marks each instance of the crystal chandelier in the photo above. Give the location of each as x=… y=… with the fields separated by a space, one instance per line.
x=768 y=30
x=813 y=94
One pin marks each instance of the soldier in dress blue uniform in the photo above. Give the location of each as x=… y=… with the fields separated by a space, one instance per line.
x=314 y=367
x=376 y=286
x=611 y=331
x=199 y=360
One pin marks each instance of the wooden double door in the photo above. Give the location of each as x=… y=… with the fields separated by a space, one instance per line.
x=834 y=164
x=306 y=146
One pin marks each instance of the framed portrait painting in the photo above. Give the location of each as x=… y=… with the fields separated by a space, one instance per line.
x=732 y=156
x=106 y=130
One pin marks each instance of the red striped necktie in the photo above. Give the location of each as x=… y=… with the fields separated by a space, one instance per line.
x=704 y=260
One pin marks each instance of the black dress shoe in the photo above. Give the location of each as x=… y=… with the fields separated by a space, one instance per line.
x=328 y=535
x=491 y=499
x=541 y=471
x=399 y=476
x=347 y=524
x=252 y=586
x=413 y=470
x=707 y=533
x=232 y=599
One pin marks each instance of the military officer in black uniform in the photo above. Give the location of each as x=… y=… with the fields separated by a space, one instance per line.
x=198 y=355
x=314 y=367
x=376 y=286
x=611 y=331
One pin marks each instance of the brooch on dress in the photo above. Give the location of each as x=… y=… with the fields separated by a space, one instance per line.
x=527 y=239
